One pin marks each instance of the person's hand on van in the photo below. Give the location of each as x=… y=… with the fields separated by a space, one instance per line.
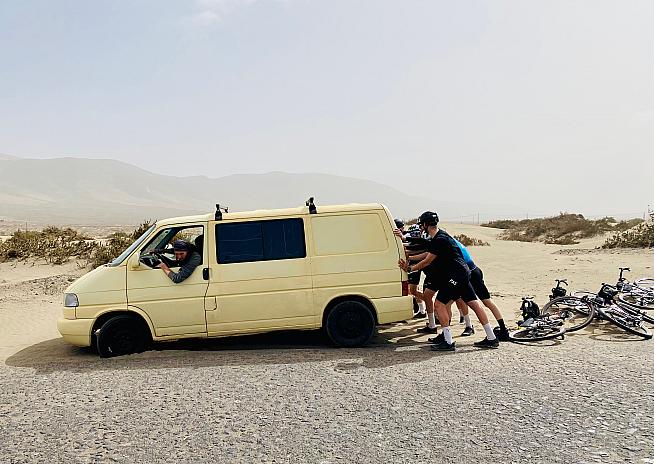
x=403 y=265
x=398 y=233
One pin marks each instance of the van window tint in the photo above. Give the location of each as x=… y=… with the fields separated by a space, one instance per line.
x=260 y=241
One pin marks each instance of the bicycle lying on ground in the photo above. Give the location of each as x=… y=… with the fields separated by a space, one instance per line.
x=565 y=313
x=639 y=293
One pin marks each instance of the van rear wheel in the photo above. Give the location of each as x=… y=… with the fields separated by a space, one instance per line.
x=350 y=323
x=119 y=336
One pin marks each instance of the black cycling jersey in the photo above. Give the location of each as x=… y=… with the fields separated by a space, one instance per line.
x=449 y=259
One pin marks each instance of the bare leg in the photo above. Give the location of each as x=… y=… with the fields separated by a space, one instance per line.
x=413 y=290
x=428 y=297
x=494 y=309
x=476 y=306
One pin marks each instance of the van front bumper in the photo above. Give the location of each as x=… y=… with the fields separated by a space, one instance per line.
x=76 y=331
x=394 y=309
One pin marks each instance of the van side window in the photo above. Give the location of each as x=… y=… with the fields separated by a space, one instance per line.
x=164 y=239
x=260 y=241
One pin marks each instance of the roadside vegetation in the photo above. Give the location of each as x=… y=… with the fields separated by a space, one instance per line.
x=60 y=245
x=470 y=241
x=564 y=229
x=640 y=236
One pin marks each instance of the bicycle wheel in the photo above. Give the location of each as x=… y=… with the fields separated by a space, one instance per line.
x=575 y=313
x=635 y=312
x=584 y=293
x=538 y=332
x=641 y=301
x=647 y=283
x=626 y=321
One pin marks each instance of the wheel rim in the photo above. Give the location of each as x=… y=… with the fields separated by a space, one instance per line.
x=122 y=341
x=351 y=323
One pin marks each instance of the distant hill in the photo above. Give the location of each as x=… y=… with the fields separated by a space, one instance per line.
x=92 y=191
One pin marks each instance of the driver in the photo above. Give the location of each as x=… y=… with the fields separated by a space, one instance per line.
x=185 y=257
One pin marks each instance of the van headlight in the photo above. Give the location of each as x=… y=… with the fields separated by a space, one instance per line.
x=70 y=300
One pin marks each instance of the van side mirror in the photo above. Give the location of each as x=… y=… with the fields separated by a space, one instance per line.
x=134 y=262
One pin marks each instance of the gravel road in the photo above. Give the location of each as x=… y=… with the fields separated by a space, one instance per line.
x=291 y=398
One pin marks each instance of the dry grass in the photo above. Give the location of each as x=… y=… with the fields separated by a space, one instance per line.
x=58 y=246
x=640 y=236
x=470 y=241
x=564 y=229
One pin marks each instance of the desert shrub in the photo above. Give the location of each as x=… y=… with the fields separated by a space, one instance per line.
x=625 y=225
x=57 y=246
x=52 y=244
x=639 y=236
x=564 y=229
x=470 y=241
x=500 y=224
x=115 y=244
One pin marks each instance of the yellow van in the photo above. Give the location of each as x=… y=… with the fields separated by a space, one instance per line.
x=332 y=267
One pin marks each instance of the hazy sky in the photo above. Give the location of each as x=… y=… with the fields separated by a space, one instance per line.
x=541 y=105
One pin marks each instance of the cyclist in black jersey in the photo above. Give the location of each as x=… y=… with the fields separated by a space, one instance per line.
x=447 y=277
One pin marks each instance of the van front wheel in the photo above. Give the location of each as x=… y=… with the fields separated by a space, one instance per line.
x=350 y=323
x=119 y=336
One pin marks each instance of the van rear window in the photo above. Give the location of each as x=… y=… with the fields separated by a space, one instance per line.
x=260 y=241
x=348 y=234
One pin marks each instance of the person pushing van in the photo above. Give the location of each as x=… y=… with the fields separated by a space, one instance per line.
x=448 y=277
x=185 y=257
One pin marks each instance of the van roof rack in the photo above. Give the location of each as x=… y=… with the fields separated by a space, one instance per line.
x=312 y=206
x=219 y=212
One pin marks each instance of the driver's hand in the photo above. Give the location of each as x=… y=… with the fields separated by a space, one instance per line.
x=162 y=265
x=398 y=233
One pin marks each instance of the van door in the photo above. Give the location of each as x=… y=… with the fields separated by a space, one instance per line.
x=260 y=277
x=174 y=309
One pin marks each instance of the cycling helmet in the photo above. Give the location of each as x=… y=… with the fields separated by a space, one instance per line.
x=428 y=218
x=399 y=223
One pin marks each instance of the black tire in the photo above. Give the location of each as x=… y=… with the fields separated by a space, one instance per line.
x=575 y=313
x=628 y=322
x=637 y=301
x=350 y=323
x=121 y=335
x=537 y=333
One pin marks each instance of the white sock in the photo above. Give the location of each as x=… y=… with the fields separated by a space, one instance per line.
x=422 y=307
x=489 y=332
x=447 y=333
x=466 y=318
x=432 y=320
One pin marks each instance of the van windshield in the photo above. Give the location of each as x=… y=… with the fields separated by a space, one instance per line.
x=132 y=247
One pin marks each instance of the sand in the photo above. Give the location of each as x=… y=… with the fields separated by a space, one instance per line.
x=283 y=398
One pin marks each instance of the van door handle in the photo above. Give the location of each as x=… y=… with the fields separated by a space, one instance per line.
x=205 y=273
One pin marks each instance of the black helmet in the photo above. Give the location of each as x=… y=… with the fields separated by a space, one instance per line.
x=399 y=223
x=428 y=218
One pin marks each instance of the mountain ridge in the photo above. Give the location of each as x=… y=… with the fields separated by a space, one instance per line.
x=106 y=191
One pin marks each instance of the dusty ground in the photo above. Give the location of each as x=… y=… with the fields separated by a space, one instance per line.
x=293 y=398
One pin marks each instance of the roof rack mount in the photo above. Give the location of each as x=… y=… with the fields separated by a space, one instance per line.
x=219 y=212
x=312 y=206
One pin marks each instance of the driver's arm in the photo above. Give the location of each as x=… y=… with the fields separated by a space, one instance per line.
x=185 y=271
